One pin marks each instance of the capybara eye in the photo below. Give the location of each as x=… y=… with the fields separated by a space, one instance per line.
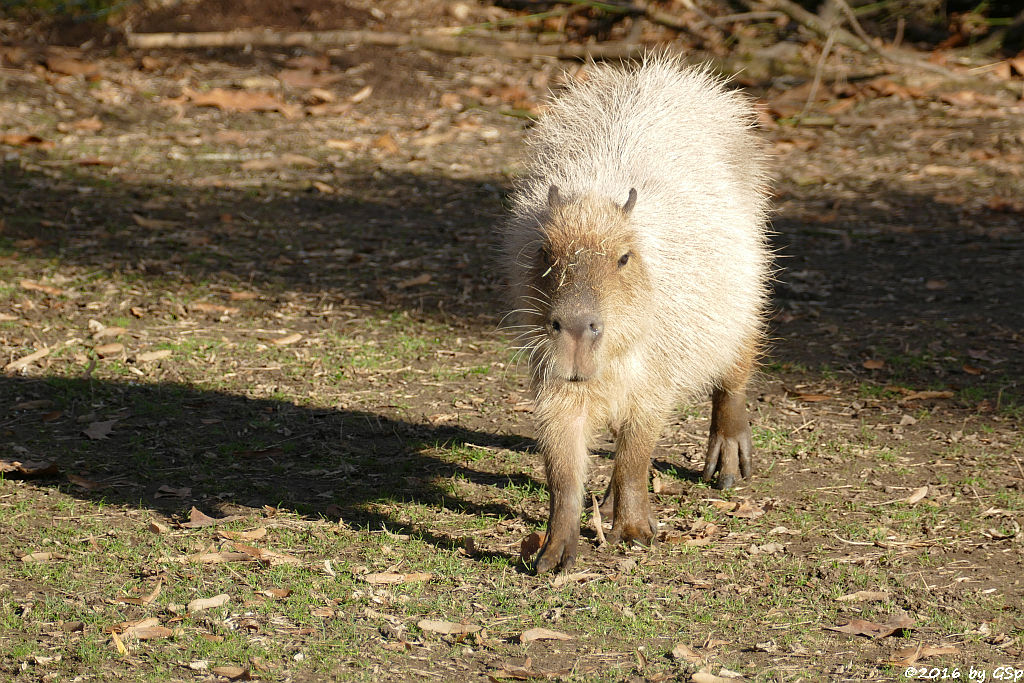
x=624 y=259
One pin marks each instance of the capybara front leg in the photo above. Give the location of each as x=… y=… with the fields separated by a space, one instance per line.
x=565 y=459
x=730 y=446
x=633 y=519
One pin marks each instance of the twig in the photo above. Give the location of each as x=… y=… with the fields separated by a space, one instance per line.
x=817 y=73
x=433 y=40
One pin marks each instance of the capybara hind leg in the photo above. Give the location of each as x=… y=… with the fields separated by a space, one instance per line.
x=565 y=460
x=730 y=447
x=632 y=516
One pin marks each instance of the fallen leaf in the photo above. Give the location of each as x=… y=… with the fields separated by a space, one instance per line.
x=874 y=364
x=530 y=545
x=145 y=599
x=84 y=483
x=361 y=95
x=29 y=468
x=198 y=519
x=708 y=677
x=972 y=369
x=447 y=627
x=925 y=395
x=277 y=593
x=240 y=101
x=232 y=673
x=25 y=361
x=935 y=285
x=270 y=556
x=683 y=652
x=909 y=655
x=20 y=140
x=71 y=67
x=243 y=296
x=150 y=356
x=542 y=634
x=107 y=350
x=118 y=643
x=42 y=556
x=200 y=604
x=392 y=578
x=111 y=331
x=413 y=282
x=860 y=627
x=166 y=491
x=747 y=509
x=206 y=307
x=158 y=528
x=251 y=535
x=99 y=430
x=917 y=495
x=32 y=285
x=287 y=339
x=864 y=596
x=386 y=143
x=33 y=405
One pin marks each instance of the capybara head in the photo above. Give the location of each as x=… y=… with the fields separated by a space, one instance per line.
x=585 y=286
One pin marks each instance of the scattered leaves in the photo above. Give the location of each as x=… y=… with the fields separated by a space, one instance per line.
x=29 y=468
x=447 y=628
x=200 y=604
x=99 y=430
x=909 y=655
x=859 y=627
x=542 y=634
x=393 y=578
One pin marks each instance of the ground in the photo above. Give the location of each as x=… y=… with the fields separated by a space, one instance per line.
x=315 y=260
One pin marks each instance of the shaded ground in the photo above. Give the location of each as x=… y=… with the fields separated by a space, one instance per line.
x=392 y=435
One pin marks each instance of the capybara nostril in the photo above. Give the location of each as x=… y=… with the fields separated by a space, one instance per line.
x=596 y=327
x=556 y=325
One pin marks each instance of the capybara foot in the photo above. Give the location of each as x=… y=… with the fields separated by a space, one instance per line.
x=627 y=531
x=557 y=554
x=730 y=456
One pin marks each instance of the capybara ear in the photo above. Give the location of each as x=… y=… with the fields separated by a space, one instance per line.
x=554 y=200
x=630 y=202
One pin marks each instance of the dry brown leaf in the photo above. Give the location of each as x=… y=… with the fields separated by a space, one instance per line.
x=708 y=677
x=530 y=545
x=150 y=356
x=447 y=627
x=107 y=350
x=596 y=521
x=287 y=339
x=386 y=143
x=972 y=369
x=542 y=634
x=145 y=599
x=158 y=528
x=873 y=364
x=84 y=483
x=747 y=509
x=925 y=395
x=392 y=578
x=864 y=596
x=71 y=67
x=860 y=627
x=262 y=554
x=206 y=307
x=25 y=361
x=240 y=101
x=251 y=535
x=917 y=495
x=99 y=430
x=811 y=398
x=413 y=282
x=111 y=331
x=42 y=556
x=21 y=140
x=277 y=593
x=34 y=286
x=361 y=95
x=683 y=652
x=166 y=491
x=232 y=673
x=29 y=468
x=243 y=296
x=33 y=405
x=200 y=604
x=197 y=519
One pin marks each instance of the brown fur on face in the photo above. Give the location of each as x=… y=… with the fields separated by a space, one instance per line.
x=587 y=275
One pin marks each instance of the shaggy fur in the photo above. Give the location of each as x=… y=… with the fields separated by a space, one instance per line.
x=673 y=286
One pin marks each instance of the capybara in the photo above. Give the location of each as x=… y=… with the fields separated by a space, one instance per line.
x=637 y=260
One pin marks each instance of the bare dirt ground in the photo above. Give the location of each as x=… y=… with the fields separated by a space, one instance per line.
x=277 y=300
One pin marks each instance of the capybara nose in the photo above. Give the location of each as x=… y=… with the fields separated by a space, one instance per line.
x=584 y=326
